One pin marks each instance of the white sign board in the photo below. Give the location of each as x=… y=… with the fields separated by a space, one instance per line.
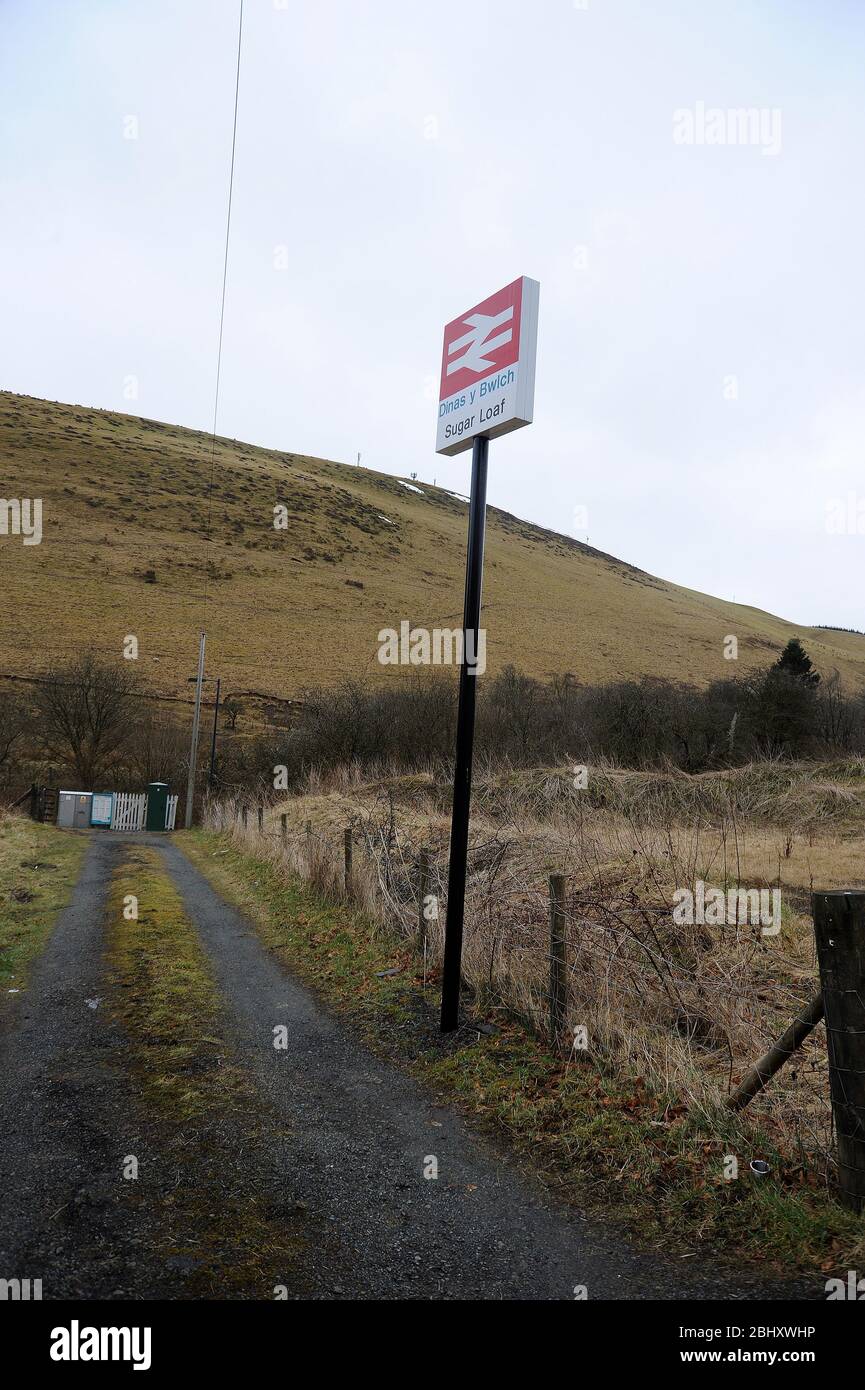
x=488 y=368
x=101 y=807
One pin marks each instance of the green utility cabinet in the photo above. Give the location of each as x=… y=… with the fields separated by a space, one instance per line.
x=157 y=805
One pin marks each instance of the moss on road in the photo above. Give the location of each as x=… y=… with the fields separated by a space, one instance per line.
x=219 y=1223
x=167 y=998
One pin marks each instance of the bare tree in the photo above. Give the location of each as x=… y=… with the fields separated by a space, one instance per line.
x=231 y=708
x=85 y=716
x=514 y=701
x=837 y=714
x=158 y=750
x=14 y=720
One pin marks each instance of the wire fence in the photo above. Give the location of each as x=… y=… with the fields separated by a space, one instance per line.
x=686 y=1007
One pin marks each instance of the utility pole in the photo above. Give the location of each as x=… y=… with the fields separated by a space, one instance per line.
x=213 y=739
x=196 y=721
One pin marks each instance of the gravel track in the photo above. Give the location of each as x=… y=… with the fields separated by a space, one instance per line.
x=67 y=1118
x=360 y=1132
x=337 y=1148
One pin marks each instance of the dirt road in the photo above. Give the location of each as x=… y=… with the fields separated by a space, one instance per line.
x=339 y=1149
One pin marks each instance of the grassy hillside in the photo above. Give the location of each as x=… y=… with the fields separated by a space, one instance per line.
x=125 y=550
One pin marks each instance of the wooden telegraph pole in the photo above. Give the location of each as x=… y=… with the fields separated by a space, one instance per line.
x=212 y=769
x=196 y=723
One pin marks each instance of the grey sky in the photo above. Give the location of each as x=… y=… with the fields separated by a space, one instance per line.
x=412 y=159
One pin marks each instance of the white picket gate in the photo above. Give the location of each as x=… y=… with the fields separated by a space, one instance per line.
x=130 y=809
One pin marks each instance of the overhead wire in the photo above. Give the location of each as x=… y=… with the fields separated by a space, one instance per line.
x=222 y=305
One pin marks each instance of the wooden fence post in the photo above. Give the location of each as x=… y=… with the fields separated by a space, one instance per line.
x=558 y=960
x=839 y=928
x=347 y=842
x=283 y=822
x=243 y=816
x=779 y=1053
x=423 y=879
x=260 y=819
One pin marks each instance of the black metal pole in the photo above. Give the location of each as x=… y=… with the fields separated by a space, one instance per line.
x=465 y=742
x=213 y=739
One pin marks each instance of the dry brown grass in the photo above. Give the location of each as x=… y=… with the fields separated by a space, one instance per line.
x=687 y=1008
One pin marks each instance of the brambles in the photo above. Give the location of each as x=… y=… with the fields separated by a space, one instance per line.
x=687 y=1004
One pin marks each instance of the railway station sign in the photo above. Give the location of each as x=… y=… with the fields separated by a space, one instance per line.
x=488 y=368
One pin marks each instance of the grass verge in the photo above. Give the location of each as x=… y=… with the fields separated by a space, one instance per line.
x=608 y=1144
x=38 y=869
x=218 y=1222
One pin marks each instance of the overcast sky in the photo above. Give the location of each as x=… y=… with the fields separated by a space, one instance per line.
x=701 y=369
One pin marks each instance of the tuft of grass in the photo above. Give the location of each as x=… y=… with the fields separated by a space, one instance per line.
x=620 y=1144
x=167 y=998
x=238 y=1242
x=38 y=869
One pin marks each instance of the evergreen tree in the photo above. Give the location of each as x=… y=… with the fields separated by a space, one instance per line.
x=795 y=661
x=782 y=710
